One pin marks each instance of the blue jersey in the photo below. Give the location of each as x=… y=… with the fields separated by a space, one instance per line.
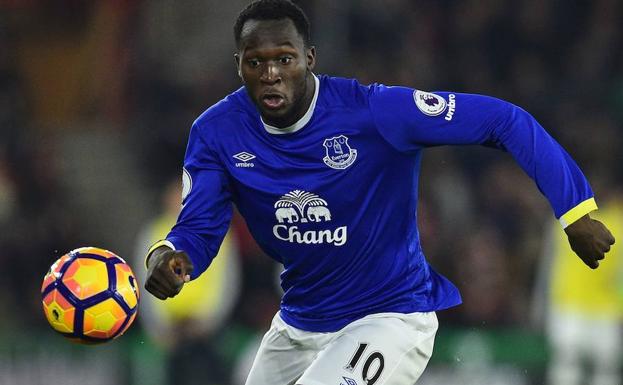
x=334 y=197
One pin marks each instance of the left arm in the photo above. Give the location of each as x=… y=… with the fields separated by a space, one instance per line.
x=411 y=120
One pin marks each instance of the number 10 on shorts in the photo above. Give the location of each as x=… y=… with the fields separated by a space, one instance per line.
x=372 y=365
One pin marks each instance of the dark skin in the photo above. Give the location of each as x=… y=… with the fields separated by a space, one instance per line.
x=590 y=240
x=167 y=271
x=276 y=66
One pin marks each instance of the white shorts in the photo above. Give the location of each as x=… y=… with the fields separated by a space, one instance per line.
x=380 y=349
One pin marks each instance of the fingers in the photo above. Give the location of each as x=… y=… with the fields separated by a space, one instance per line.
x=607 y=235
x=610 y=238
x=169 y=281
x=161 y=291
x=188 y=271
x=603 y=246
x=182 y=266
x=598 y=254
x=152 y=287
x=592 y=263
x=167 y=276
x=591 y=243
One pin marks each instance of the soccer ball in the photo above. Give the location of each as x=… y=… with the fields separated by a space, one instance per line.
x=90 y=295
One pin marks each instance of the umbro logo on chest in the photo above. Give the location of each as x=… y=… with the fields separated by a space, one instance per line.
x=244 y=159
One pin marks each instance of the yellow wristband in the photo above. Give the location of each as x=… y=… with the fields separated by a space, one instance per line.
x=578 y=212
x=162 y=242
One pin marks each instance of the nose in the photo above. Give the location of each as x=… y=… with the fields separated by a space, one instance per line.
x=270 y=74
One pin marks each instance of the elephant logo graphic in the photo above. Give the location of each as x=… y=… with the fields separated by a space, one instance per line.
x=297 y=207
x=318 y=214
x=288 y=214
x=301 y=206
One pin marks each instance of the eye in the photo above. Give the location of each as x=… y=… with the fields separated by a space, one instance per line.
x=254 y=63
x=285 y=60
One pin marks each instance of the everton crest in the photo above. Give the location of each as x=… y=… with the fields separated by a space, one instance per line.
x=339 y=155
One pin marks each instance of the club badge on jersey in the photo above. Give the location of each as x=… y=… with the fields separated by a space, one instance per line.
x=339 y=154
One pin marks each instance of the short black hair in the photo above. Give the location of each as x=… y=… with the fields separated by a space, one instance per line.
x=274 y=10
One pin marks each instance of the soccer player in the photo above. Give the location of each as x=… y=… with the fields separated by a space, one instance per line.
x=325 y=172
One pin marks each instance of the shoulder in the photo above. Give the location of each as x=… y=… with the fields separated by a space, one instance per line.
x=351 y=93
x=344 y=92
x=224 y=116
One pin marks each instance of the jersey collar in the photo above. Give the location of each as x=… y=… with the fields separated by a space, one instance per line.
x=299 y=123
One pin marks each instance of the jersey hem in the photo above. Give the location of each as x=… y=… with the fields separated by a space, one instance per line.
x=336 y=324
x=578 y=212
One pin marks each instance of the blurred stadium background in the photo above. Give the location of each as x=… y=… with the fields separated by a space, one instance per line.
x=96 y=100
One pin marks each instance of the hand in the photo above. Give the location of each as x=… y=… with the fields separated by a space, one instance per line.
x=167 y=272
x=590 y=240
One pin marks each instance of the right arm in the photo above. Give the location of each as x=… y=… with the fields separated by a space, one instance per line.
x=201 y=226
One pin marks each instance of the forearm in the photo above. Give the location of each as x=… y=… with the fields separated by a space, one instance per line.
x=555 y=173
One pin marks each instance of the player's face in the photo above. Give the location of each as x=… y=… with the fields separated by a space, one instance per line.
x=275 y=67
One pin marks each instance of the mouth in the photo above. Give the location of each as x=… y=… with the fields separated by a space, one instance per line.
x=273 y=101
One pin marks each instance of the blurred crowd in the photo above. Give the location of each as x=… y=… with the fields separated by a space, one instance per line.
x=97 y=98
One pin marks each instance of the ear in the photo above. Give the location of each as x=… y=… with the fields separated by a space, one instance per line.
x=237 y=59
x=311 y=57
